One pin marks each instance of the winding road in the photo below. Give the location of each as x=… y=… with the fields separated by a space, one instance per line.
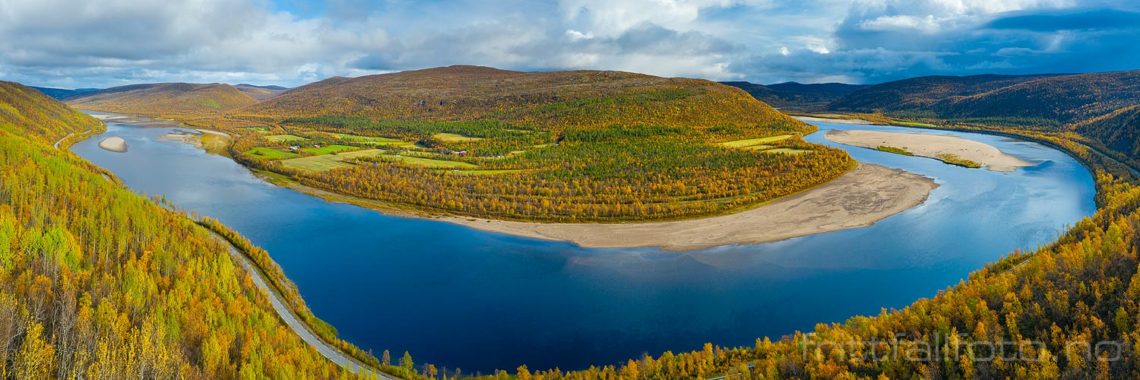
x=332 y=353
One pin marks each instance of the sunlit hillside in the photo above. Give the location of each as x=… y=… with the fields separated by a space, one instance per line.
x=98 y=282
x=177 y=100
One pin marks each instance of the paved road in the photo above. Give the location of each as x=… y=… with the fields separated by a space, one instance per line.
x=332 y=353
x=56 y=145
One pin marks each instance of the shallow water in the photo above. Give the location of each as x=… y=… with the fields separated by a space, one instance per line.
x=459 y=297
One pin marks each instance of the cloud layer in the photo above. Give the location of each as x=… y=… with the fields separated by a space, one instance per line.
x=112 y=42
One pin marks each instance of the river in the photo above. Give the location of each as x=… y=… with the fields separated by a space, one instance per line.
x=462 y=298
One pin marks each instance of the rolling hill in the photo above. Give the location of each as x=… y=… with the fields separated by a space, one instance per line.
x=923 y=93
x=549 y=146
x=793 y=96
x=260 y=92
x=29 y=113
x=165 y=99
x=547 y=99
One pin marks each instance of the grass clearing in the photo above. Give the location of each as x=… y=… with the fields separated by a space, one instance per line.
x=336 y=161
x=914 y=124
x=270 y=153
x=428 y=162
x=752 y=142
x=487 y=171
x=953 y=159
x=328 y=161
x=285 y=138
x=893 y=149
x=787 y=151
x=452 y=137
x=329 y=149
x=372 y=140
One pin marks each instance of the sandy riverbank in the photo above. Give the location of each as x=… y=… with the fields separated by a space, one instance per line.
x=859 y=198
x=931 y=146
x=114 y=144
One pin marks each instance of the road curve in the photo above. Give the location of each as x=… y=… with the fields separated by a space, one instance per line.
x=332 y=353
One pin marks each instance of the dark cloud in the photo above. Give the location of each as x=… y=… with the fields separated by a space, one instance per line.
x=1100 y=19
x=72 y=43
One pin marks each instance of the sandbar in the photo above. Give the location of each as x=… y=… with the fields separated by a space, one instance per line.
x=859 y=198
x=932 y=146
x=115 y=144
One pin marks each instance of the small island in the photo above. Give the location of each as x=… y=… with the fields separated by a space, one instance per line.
x=949 y=149
x=114 y=144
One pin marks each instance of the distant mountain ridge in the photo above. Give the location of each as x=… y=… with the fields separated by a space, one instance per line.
x=260 y=92
x=1100 y=106
x=61 y=94
x=165 y=99
x=798 y=96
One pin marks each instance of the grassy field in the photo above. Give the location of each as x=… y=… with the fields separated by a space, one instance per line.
x=285 y=138
x=787 y=151
x=329 y=149
x=428 y=162
x=895 y=150
x=953 y=159
x=753 y=142
x=270 y=153
x=377 y=141
x=328 y=161
x=487 y=171
x=453 y=137
x=336 y=161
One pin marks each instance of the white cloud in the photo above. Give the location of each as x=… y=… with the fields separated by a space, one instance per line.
x=72 y=43
x=575 y=35
x=901 y=23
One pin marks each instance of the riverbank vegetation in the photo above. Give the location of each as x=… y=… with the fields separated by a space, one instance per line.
x=953 y=159
x=895 y=150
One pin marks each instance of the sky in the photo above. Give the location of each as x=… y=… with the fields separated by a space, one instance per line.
x=103 y=43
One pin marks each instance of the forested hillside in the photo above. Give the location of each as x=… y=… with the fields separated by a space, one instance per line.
x=545 y=100
x=554 y=146
x=30 y=114
x=97 y=282
x=924 y=93
x=793 y=96
x=260 y=92
x=171 y=100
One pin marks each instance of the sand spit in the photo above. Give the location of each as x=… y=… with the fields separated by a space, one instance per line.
x=931 y=146
x=859 y=198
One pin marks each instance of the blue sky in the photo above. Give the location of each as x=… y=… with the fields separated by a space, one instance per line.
x=69 y=43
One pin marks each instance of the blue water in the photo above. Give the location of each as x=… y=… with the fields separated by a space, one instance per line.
x=475 y=300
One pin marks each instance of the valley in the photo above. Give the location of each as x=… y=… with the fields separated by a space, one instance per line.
x=569 y=190
x=404 y=258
